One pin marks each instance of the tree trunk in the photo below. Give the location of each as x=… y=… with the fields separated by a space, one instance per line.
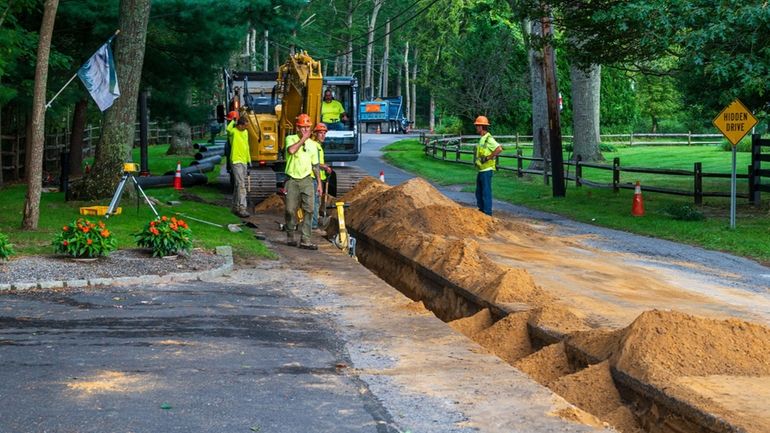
x=432 y=115
x=541 y=143
x=119 y=121
x=413 y=102
x=76 y=137
x=398 y=81
x=35 y=142
x=586 y=90
x=408 y=101
x=181 y=143
x=385 y=60
x=368 y=83
x=654 y=124
x=349 y=54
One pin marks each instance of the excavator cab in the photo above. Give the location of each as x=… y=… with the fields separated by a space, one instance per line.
x=343 y=143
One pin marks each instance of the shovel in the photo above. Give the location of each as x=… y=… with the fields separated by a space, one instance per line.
x=326 y=218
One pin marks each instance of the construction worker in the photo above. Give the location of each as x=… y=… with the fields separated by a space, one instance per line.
x=301 y=162
x=319 y=136
x=332 y=112
x=486 y=164
x=231 y=117
x=240 y=158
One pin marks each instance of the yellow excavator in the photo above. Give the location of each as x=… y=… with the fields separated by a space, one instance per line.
x=272 y=101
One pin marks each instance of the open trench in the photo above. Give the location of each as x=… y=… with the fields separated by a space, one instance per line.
x=666 y=372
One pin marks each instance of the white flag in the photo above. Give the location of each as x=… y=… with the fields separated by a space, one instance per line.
x=100 y=78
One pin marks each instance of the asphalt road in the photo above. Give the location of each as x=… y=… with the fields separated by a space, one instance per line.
x=191 y=357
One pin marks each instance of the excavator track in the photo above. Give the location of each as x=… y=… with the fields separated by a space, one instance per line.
x=346 y=178
x=261 y=183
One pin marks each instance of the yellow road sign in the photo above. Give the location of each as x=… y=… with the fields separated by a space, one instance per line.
x=735 y=121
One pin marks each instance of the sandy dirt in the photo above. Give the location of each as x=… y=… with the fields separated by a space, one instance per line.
x=655 y=326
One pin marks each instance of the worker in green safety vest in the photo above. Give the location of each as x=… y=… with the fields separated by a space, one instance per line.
x=486 y=164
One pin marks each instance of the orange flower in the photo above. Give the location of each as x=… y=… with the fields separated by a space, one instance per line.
x=89 y=241
x=173 y=227
x=85 y=229
x=164 y=218
x=173 y=220
x=65 y=243
x=105 y=233
x=152 y=223
x=182 y=224
x=102 y=225
x=154 y=231
x=65 y=228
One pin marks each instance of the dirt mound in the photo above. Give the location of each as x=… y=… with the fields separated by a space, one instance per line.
x=372 y=204
x=661 y=344
x=272 y=204
x=547 y=364
x=417 y=307
x=473 y=324
x=623 y=420
x=558 y=320
x=443 y=220
x=602 y=398
x=364 y=188
x=507 y=338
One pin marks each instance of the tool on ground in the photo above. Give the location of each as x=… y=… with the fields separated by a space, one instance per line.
x=199 y=220
x=342 y=239
x=129 y=169
x=178 y=176
x=637 y=209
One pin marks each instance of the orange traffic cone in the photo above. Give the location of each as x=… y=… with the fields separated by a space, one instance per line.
x=178 y=176
x=378 y=129
x=638 y=207
x=382 y=176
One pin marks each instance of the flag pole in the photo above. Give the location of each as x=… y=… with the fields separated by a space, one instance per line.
x=48 y=105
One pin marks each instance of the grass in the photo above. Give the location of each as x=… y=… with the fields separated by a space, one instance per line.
x=750 y=238
x=56 y=212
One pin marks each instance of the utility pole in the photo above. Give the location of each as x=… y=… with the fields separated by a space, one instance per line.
x=554 y=120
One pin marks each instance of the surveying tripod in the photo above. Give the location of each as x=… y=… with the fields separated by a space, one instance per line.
x=129 y=169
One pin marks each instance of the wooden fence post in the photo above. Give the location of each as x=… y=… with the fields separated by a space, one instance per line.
x=546 y=164
x=517 y=140
x=443 y=151
x=616 y=175
x=457 y=151
x=519 y=165
x=631 y=139
x=756 y=164
x=689 y=138
x=578 y=170
x=751 y=185
x=698 y=186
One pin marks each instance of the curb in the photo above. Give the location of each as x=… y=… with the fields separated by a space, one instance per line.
x=173 y=277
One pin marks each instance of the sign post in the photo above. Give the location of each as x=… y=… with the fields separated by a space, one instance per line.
x=734 y=122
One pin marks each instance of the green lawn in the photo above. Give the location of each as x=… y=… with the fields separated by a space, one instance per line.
x=56 y=212
x=750 y=238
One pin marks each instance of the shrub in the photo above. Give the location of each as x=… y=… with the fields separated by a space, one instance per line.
x=83 y=238
x=165 y=236
x=683 y=212
x=743 y=146
x=6 y=248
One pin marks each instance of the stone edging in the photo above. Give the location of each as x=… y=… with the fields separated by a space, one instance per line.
x=225 y=251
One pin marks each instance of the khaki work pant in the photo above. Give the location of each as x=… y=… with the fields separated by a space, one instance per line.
x=299 y=192
x=239 y=191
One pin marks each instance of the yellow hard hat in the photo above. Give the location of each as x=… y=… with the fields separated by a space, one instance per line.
x=481 y=120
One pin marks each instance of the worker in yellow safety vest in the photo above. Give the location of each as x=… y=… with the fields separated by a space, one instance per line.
x=319 y=136
x=301 y=162
x=240 y=157
x=332 y=112
x=486 y=164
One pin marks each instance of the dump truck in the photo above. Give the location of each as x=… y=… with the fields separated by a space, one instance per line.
x=385 y=114
x=272 y=101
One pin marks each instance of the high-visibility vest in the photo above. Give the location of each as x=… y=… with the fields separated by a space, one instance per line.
x=487 y=145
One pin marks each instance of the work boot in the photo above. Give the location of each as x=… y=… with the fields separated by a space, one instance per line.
x=308 y=246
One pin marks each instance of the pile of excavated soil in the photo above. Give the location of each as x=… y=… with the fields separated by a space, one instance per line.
x=472 y=324
x=417 y=307
x=272 y=204
x=674 y=352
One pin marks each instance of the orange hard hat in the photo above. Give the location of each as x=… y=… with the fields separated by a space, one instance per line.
x=303 y=120
x=481 y=120
x=320 y=127
x=232 y=115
